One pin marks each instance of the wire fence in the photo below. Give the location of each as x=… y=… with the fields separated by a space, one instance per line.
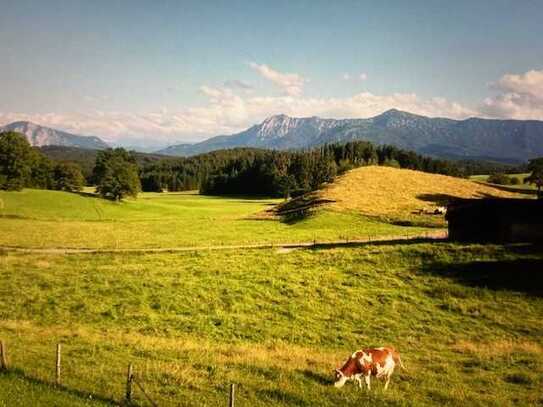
x=138 y=383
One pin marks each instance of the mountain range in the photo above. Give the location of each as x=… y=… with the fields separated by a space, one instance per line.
x=510 y=141
x=39 y=136
x=501 y=140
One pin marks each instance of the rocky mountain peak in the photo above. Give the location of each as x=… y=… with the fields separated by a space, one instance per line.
x=39 y=136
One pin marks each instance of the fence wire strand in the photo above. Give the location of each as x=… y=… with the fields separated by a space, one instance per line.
x=145 y=393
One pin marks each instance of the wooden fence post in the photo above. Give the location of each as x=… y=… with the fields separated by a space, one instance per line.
x=57 y=372
x=3 y=356
x=129 y=381
x=232 y=395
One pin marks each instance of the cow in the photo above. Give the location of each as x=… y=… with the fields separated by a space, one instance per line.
x=378 y=362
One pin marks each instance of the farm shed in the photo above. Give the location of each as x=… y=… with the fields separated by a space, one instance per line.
x=496 y=220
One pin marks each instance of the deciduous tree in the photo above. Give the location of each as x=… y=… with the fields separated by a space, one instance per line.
x=68 y=177
x=15 y=161
x=116 y=174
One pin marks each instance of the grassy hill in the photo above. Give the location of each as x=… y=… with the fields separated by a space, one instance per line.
x=279 y=323
x=276 y=322
x=398 y=195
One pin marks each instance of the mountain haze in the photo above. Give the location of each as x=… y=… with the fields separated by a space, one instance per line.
x=502 y=140
x=39 y=136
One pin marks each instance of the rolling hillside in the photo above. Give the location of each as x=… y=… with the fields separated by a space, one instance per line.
x=396 y=195
x=275 y=322
x=511 y=141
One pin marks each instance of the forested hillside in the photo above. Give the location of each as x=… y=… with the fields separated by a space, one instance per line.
x=280 y=173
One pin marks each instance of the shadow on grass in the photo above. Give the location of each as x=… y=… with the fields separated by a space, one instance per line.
x=88 y=194
x=300 y=208
x=384 y=242
x=439 y=199
x=281 y=396
x=20 y=374
x=241 y=198
x=521 y=275
x=516 y=189
x=318 y=377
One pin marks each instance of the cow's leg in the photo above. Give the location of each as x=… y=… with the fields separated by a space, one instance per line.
x=387 y=381
x=359 y=381
x=367 y=380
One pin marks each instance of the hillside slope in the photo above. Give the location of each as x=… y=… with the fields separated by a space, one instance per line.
x=396 y=195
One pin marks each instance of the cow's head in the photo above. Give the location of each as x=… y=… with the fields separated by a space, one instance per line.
x=339 y=378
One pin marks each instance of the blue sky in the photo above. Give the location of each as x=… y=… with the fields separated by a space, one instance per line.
x=168 y=71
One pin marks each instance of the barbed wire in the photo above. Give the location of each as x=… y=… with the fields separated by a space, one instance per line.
x=153 y=403
x=94 y=379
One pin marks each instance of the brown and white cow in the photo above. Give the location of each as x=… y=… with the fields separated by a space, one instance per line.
x=378 y=362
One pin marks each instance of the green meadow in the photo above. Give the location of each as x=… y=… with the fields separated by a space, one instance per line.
x=520 y=177
x=520 y=186
x=466 y=318
x=53 y=219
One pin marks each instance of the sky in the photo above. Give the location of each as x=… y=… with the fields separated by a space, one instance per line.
x=164 y=72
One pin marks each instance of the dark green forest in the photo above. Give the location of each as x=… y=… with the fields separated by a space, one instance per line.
x=118 y=173
x=282 y=173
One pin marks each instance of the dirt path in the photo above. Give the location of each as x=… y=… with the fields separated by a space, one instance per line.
x=393 y=239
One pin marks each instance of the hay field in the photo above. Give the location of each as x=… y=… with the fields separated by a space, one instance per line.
x=395 y=194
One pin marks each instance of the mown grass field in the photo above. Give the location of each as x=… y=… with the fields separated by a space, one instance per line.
x=397 y=195
x=467 y=316
x=52 y=219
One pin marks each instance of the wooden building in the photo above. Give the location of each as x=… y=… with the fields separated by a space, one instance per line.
x=496 y=220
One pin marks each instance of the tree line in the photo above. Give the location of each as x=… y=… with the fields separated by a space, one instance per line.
x=276 y=173
x=118 y=173
x=253 y=171
x=22 y=166
x=115 y=172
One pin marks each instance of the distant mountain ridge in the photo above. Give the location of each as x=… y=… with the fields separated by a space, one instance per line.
x=502 y=140
x=39 y=136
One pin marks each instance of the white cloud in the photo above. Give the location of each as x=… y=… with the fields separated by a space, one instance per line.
x=215 y=93
x=290 y=83
x=228 y=111
x=361 y=76
x=517 y=96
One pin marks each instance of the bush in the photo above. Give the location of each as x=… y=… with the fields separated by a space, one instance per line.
x=499 y=178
